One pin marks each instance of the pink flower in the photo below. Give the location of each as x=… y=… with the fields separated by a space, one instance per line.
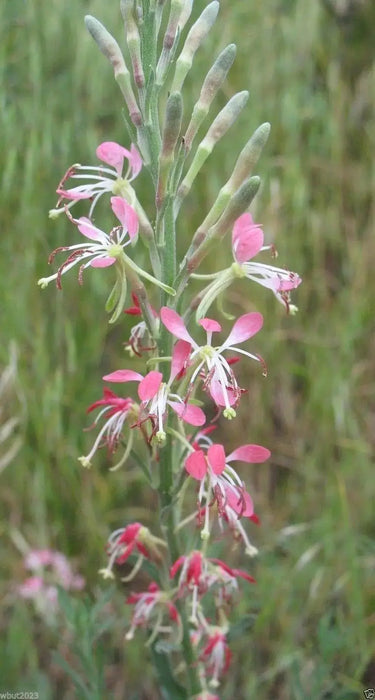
x=247 y=242
x=135 y=538
x=156 y=395
x=31 y=588
x=150 y=607
x=221 y=484
x=219 y=379
x=139 y=341
x=199 y=574
x=216 y=655
x=118 y=410
x=104 y=250
x=101 y=180
x=52 y=569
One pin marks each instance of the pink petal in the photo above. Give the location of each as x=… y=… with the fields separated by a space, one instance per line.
x=253 y=454
x=188 y=412
x=180 y=354
x=87 y=228
x=72 y=194
x=240 y=502
x=218 y=396
x=175 y=324
x=149 y=386
x=244 y=328
x=126 y=215
x=209 y=325
x=292 y=283
x=216 y=458
x=247 y=238
x=113 y=154
x=196 y=465
x=123 y=375
x=176 y=566
x=135 y=161
x=102 y=262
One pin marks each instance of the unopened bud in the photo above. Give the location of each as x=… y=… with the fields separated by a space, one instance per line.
x=194 y=39
x=172 y=125
x=171 y=132
x=185 y=14
x=236 y=206
x=218 y=128
x=169 y=39
x=133 y=41
x=242 y=170
x=110 y=48
x=248 y=157
x=212 y=82
x=225 y=119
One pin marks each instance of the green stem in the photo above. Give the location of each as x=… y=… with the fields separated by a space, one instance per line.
x=167 y=500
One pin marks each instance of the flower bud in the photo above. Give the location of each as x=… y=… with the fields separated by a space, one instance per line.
x=242 y=170
x=171 y=132
x=224 y=120
x=177 y=7
x=237 y=205
x=212 y=82
x=185 y=14
x=133 y=41
x=109 y=46
x=172 y=125
x=248 y=157
x=194 y=39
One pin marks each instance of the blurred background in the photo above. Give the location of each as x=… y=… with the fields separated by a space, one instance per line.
x=306 y=629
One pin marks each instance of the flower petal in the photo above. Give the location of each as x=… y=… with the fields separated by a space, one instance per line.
x=244 y=328
x=216 y=458
x=247 y=238
x=149 y=386
x=175 y=324
x=176 y=566
x=209 y=325
x=253 y=454
x=102 y=262
x=87 y=228
x=126 y=215
x=113 y=154
x=240 y=501
x=74 y=194
x=123 y=375
x=135 y=161
x=188 y=412
x=218 y=395
x=196 y=465
x=180 y=354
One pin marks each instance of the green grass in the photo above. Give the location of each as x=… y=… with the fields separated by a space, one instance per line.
x=313 y=604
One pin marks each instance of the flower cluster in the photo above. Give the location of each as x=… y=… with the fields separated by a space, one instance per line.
x=49 y=569
x=189 y=379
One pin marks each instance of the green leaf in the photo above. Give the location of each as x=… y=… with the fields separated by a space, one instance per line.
x=76 y=678
x=170 y=688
